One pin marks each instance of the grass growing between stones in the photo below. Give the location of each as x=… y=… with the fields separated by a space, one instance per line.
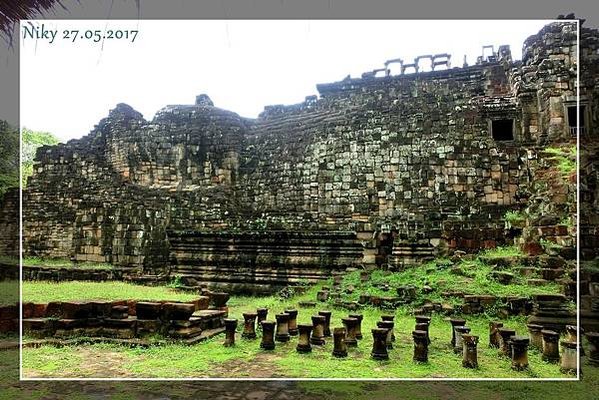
x=44 y=292
x=467 y=276
x=64 y=263
x=246 y=359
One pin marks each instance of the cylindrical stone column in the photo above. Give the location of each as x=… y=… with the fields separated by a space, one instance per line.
x=387 y=325
x=550 y=346
x=282 y=327
x=423 y=326
x=230 y=326
x=568 y=362
x=317 y=330
x=390 y=318
x=268 y=335
x=350 y=325
x=494 y=337
x=303 y=342
x=536 y=338
x=420 y=346
x=455 y=322
x=593 y=338
x=292 y=324
x=458 y=348
x=249 y=326
x=261 y=313
x=469 y=351
x=379 y=344
x=339 y=345
x=359 y=317
x=326 y=330
x=505 y=334
x=519 y=345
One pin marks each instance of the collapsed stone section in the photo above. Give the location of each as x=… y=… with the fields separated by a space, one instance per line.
x=409 y=165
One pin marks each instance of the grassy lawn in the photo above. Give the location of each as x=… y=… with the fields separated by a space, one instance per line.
x=44 y=292
x=9 y=292
x=246 y=359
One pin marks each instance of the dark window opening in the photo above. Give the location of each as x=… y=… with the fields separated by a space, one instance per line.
x=573 y=119
x=503 y=129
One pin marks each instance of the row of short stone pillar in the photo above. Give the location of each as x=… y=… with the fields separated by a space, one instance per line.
x=344 y=337
x=545 y=340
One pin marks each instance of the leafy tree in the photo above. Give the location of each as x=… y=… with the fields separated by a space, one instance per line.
x=32 y=140
x=9 y=157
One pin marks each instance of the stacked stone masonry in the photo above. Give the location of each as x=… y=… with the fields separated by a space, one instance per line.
x=375 y=171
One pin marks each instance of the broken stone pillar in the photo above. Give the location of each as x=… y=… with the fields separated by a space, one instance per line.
x=317 y=330
x=261 y=313
x=469 y=351
x=350 y=331
x=268 y=335
x=249 y=326
x=458 y=348
x=303 y=342
x=282 y=327
x=420 y=345
x=230 y=326
x=505 y=335
x=326 y=330
x=519 y=345
x=550 y=346
x=494 y=337
x=379 y=344
x=389 y=326
x=569 y=359
x=455 y=322
x=322 y=295
x=339 y=344
x=389 y=318
x=359 y=317
x=292 y=324
x=593 y=338
x=536 y=338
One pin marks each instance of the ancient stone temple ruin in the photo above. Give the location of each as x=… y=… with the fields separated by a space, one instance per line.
x=383 y=170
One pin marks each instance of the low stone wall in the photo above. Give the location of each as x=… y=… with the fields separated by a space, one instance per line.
x=127 y=319
x=260 y=262
x=9 y=318
x=9 y=271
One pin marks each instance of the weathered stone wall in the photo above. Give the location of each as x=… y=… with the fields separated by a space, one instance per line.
x=407 y=163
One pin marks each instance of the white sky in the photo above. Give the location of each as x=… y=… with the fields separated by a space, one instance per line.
x=243 y=65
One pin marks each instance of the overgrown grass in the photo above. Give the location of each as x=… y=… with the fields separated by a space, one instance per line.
x=514 y=217
x=468 y=277
x=9 y=292
x=44 y=292
x=565 y=158
x=64 y=263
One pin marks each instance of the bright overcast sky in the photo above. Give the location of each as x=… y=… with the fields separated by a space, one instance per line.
x=243 y=65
